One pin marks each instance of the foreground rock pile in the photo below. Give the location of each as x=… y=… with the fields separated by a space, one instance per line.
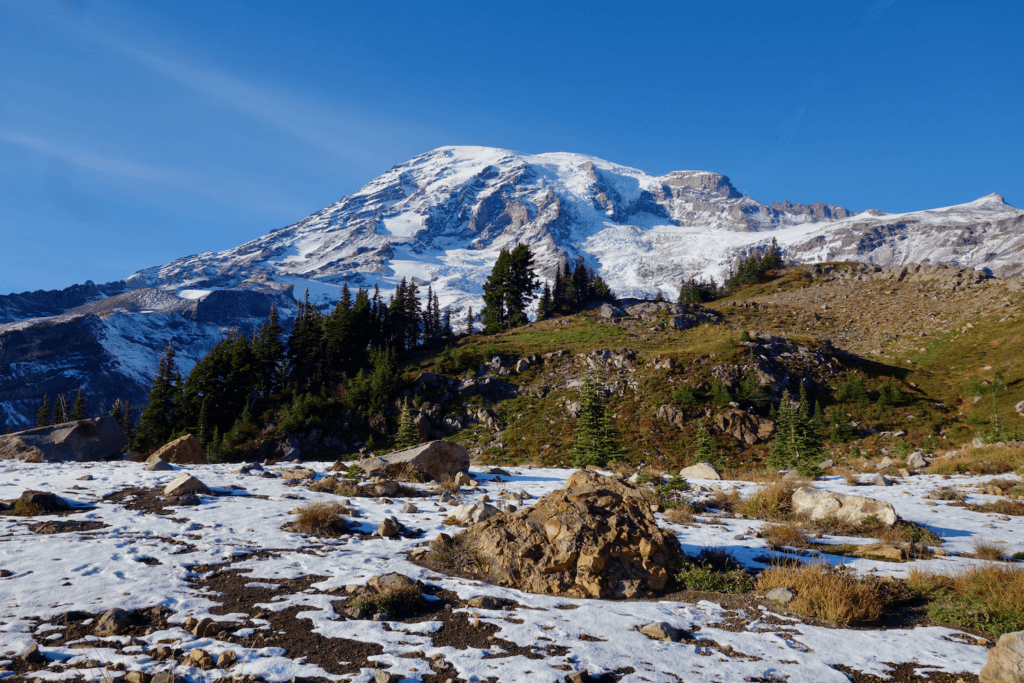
x=595 y=538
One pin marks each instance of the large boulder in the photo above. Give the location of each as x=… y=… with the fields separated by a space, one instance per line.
x=816 y=504
x=184 y=485
x=185 y=450
x=1005 y=663
x=80 y=441
x=743 y=426
x=702 y=470
x=594 y=538
x=437 y=460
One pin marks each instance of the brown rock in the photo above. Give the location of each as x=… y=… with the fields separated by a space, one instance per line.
x=83 y=440
x=1005 y=662
x=661 y=630
x=47 y=502
x=33 y=655
x=185 y=450
x=594 y=538
x=298 y=473
x=743 y=426
x=438 y=460
x=137 y=677
x=883 y=551
x=113 y=622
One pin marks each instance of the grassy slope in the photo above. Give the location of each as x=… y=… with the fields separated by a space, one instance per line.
x=937 y=378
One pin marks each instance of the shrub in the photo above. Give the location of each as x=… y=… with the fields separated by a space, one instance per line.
x=684 y=396
x=703 y=578
x=780 y=535
x=23 y=509
x=321 y=518
x=854 y=390
x=771 y=501
x=720 y=394
x=390 y=601
x=987 y=549
x=680 y=514
x=986 y=597
x=822 y=591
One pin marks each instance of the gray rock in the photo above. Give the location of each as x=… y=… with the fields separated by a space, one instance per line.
x=410 y=508
x=1005 y=663
x=484 y=602
x=917 y=461
x=661 y=630
x=977 y=443
x=166 y=677
x=80 y=441
x=827 y=464
x=437 y=460
x=885 y=462
x=608 y=311
x=703 y=470
x=382 y=676
x=4 y=573
x=47 y=502
x=573 y=409
x=816 y=504
x=157 y=465
x=1019 y=407
x=881 y=480
x=782 y=595
x=185 y=483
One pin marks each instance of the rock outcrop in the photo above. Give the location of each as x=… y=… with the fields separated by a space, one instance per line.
x=594 y=538
x=1005 y=662
x=185 y=450
x=817 y=504
x=437 y=460
x=80 y=441
x=702 y=470
x=743 y=426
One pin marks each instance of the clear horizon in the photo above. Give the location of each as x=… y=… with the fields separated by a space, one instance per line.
x=131 y=135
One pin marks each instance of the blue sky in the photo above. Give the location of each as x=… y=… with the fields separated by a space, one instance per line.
x=135 y=133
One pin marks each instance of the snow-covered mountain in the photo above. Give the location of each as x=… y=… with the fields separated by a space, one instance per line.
x=441 y=218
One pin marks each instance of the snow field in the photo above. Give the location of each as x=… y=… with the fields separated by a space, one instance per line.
x=238 y=529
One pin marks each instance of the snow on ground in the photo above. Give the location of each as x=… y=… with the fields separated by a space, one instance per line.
x=94 y=571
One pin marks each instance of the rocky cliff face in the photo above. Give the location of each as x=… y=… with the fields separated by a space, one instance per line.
x=441 y=219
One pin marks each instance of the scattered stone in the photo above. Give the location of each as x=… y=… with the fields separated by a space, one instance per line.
x=85 y=477
x=185 y=483
x=484 y=602
x=782 y=595
x=339 y=466
x=885 y=462
x=157 y=465
x=917 y=461
x=661 y=630
x=226 y=659
x=166 y=677
x=382 y=676
x=410 y=508
x=881 y=480
x=79 y=441
x=113 y=622
x=596 y=537
x=827 y=464
x=388 y=528
x=4 y=573
x=1005 y=663
x=817 y=504
x=608 y=311
x=463 y=479
x=437 y=460
x=977 y=442
x=884 y=551
x=185 y=450
x=471 y=513
x=33 y=655
x=200 y=658
x=704 y=470
x=137 y=677
x=47 y=502
x=205 y=627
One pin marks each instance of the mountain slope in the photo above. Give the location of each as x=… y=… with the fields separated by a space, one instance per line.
x=441 y=218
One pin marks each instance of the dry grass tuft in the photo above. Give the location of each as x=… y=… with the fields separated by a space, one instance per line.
x=321 y=518
x=782 y=535
x=986 y=597
x=772 y=501
x=984 y=460
x=726 y=501
x=986 y=549
x=825 y=592
x=680 y=514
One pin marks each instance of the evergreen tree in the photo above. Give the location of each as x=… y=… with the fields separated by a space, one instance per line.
x=751 y=392
x=720 y=394
x=596 y=439
x=580 y=286
x=43 y=414
x=818 y=422
x=704 y=447
x=60 y=410
x=408 y=436
x=558 y=300
x=469 y=320
x=796 y=445
x=545 y=305
x=495 y=316
x=158 y=419
x=854 y=390
x=447 y=333
x=839 y=428
x=78 y=411
x=890 y=394
x=269 y=353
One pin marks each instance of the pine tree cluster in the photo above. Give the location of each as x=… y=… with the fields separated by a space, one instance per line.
x=573 y=290
x=751 y=270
